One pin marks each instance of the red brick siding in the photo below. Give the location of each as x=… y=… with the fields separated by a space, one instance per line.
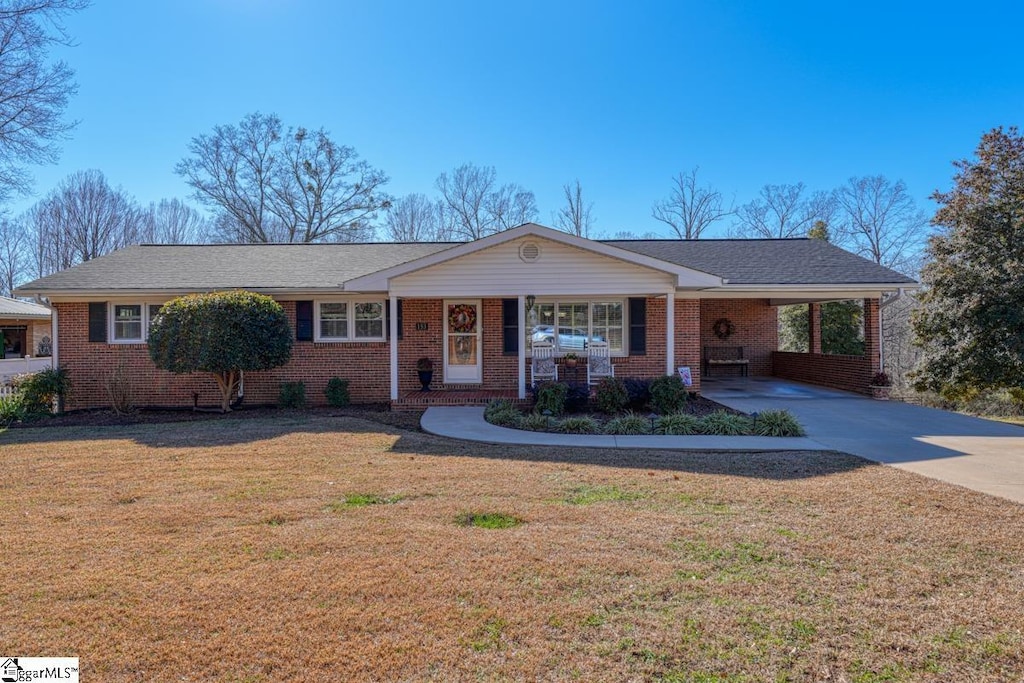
x=757 y=330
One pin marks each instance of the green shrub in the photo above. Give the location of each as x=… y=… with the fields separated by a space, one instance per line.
x=611 y=396
x=551 y=397
x=579 y=425
x=639 y=391
x=777 y=423
x=677 y=424
x=628 y=424
x=39 y=390
x=510 y=417
x=292 y=395
x=497 y=405
x=535 y=422
x=337 y=392
x=724 y=423
x=12 y=409
x=668 y=395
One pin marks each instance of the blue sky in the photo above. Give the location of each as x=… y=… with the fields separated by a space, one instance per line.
x=622 y=96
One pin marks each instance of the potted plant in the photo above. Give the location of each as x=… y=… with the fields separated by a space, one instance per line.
x=571 y=359
x=425 y=368
x=880 y=386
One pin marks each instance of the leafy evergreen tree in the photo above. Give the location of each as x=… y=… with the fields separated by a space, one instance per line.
x=971 y=321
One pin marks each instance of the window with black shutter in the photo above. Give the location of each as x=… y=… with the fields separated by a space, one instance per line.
x=510 y=326
x=638 y=327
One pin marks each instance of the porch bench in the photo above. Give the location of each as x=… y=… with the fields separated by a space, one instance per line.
x=725 y=356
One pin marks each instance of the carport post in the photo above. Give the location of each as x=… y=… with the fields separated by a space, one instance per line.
x=670 y=332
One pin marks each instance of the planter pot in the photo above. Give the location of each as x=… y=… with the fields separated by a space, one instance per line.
x=425 y=377
x=880 y=393
x=571 y=362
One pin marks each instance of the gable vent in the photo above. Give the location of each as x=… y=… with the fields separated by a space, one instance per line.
x=529 y=251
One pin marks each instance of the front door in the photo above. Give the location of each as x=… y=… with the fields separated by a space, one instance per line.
x=462 y=357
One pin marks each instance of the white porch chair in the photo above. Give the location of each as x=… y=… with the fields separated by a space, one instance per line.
x=599 y=363
x=543 y=365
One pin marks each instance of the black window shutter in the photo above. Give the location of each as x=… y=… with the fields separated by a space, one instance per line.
x=510 y=326
x=98 y=321
x=638 y=327
x=387 y=318
x=304 y=321
x=398 y=314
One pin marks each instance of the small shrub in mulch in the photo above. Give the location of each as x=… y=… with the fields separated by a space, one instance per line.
x=337 y=392
x=777 y=423
x=668 y=394
x=677 y=424
x=488 y=520
x=629 y=424
x=292 y=395
x=550 y=397
x=721 y=423
x=579 y=424
x=611 y=396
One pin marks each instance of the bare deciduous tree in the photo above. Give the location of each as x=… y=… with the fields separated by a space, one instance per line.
x=33 y=92
x=172 y=221
x=81 y=219
x=880 y=221
x=416 y=218
x=272 y=186
x=476 y=206
x=14 y=257
x=690 y=208
x=783 y=211
x=575 y=217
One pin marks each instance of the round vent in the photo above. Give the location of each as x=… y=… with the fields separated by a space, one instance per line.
x=529 y=251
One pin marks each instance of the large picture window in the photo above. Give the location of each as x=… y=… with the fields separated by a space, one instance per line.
x=350 y=320
x=570 y=326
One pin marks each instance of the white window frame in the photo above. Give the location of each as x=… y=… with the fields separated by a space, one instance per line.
x=558 y=301
x=350 y=320
x=112 y=321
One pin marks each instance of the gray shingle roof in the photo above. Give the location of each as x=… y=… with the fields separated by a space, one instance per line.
x=326 y=266
x=762 y=262
x=12 y=308
x=230 y=266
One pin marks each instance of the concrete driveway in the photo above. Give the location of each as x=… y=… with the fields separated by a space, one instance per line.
x=983 y=455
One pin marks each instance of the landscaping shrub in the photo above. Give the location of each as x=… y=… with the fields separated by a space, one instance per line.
x=509 y=417
x=121 y=389
x=577 y=396
x=550 y=396
x=579 y=425
x=777 y=423
x=628 y=424
x=497 y=405
x=677 y=424
x=723 y=423
x=12 y=409
x=668 y=394
x=611 y=396
x=535 y=422
x=40 y=389
x=639 y=391
x=292 y=395
x=337 y=392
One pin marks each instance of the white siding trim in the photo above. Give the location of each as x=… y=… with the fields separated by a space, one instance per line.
x=670 y=334
x=393 y=345
x=521 y=345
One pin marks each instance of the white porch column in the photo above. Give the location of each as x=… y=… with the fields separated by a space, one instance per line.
x=522 y=346
x=670 y=333
x=54 y=362
x=393 y=346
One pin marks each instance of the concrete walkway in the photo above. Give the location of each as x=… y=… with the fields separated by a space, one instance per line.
x=983 y=455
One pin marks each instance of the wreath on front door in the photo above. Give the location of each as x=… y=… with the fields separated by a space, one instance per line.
x=462 y=318
x=723 y=328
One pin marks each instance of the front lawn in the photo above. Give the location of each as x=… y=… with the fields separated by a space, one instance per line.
x=302 y=547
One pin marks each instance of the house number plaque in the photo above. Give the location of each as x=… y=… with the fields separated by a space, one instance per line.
x=421 y=327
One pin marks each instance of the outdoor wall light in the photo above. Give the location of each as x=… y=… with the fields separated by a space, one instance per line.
x=530 y=300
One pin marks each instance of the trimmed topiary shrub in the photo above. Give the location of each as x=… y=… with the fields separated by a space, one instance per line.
x=579 y=425
x=550 y=396
x=777 y=423
x=668 y=395
x=611 y=396
x=677 y=424
x=337 y=392
x=723 y=423
x=292 y=395
x=628 y=424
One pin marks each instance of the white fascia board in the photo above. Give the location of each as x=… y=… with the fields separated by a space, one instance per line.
x=381 y=279
x=70 y=296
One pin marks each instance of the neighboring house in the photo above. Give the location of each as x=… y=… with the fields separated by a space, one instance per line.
x=25 y=333
x=367 y=312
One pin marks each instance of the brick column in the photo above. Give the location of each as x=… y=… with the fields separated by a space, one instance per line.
x=814 y=328
x=871 y=348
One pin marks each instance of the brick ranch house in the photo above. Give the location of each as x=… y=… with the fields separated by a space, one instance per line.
x=367 y=312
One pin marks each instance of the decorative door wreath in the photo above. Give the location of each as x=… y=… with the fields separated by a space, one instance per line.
x=723 y=328
x=462 y=318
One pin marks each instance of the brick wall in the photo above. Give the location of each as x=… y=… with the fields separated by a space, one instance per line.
x=757 y=330
x=849 y=373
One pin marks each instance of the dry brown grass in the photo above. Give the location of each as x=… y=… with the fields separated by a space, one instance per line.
x=228 y=551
